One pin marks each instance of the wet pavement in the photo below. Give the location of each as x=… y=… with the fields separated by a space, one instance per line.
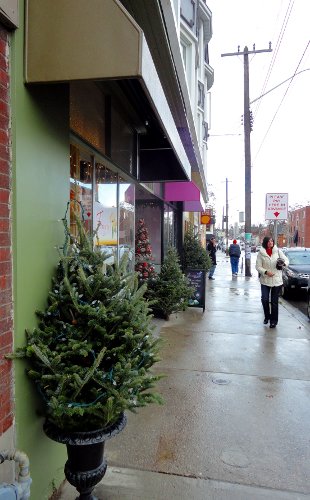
x=236 y=420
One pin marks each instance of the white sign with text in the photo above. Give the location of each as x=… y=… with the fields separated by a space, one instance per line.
x=276 y=206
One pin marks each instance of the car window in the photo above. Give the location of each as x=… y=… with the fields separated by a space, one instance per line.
x=298 y=258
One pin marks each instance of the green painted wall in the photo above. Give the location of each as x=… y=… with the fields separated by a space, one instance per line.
x=40 y=129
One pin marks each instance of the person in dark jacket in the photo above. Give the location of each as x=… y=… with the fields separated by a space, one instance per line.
x=234 y=254
x=211 y=247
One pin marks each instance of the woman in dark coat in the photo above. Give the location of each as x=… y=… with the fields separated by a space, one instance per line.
x=211 y=247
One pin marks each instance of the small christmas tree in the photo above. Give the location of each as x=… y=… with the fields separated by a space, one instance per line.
x=144 y=266
x=91 y=354
x=194 y=256
x=171 y=290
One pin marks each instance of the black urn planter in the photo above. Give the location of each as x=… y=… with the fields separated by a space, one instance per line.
x=86 y=464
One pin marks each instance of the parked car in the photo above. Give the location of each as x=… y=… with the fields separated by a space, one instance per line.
x=296 y=274
x=308 y=299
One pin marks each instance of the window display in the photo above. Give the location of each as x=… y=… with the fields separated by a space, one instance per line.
x=107 y=202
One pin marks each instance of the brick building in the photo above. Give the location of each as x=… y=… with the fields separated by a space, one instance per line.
x=299 y=227
x=8 y=22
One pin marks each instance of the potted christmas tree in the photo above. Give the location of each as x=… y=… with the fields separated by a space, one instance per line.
x=144 y=266
x=194 y=256
x=91 y=354
x=171 y=290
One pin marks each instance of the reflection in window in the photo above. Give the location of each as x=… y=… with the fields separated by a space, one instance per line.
x=169 y=235
x=81 y=194
x=127 y=221
x=105 y=210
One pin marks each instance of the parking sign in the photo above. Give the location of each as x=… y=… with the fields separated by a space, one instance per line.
x=276 y=206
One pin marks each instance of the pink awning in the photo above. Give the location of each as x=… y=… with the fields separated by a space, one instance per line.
x=187 y=192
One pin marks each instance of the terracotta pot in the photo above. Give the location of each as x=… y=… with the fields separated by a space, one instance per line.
x=86 y=464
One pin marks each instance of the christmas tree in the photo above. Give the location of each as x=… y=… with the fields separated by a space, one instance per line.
x=194 y=256
x=144 y=266
x=91 y=354
x=171 y=290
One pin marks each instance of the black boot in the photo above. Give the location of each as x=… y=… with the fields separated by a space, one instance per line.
x=266 y=311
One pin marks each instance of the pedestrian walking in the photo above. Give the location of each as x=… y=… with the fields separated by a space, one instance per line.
x=211 y=247
x=269 y=263
x=234 y=254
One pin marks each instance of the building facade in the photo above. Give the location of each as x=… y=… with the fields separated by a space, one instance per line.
x=8 y=23
x=108 y=108
x=299 y=227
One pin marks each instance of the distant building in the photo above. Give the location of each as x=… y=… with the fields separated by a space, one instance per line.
x=299 y=227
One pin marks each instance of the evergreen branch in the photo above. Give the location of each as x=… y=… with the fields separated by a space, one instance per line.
x=73 y=295
x=91 y=371
x=37 y=351
x=83 y=278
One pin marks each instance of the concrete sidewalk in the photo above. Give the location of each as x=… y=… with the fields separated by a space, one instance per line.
x=236 y=422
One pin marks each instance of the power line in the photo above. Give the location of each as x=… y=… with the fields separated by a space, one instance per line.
x=278 y=44
x=292 y=78
x=279 y=84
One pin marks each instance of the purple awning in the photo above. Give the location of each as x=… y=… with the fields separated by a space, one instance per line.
x=187 y=192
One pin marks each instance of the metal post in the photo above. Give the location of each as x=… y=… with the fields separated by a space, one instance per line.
x=247 y=164
x=275 y=237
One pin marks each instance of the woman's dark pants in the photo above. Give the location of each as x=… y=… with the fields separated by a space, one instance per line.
x=273 y=292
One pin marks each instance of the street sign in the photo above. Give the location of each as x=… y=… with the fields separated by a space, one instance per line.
x=276 y=206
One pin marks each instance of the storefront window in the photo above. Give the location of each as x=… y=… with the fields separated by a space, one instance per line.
x=127 y=221
x=106 y=202
x=150 y=209
x=169 y=233
x=105 y=210
x=81 y=193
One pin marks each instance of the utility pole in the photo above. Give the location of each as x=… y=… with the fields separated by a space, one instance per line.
x=247 y=150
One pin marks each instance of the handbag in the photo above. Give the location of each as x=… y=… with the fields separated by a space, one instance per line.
x=280 y=263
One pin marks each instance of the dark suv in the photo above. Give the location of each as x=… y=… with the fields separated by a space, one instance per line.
x=296 y=274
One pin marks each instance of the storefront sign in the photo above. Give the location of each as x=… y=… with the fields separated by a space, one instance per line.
x=197 y=279
x=205 y=218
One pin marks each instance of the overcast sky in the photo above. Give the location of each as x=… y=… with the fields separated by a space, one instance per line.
x=280 y=141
